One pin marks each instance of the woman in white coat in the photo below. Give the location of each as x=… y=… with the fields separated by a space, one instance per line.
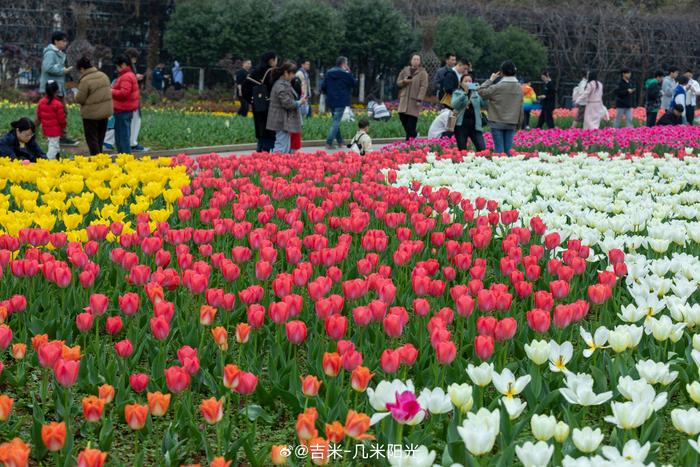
x=592 y=97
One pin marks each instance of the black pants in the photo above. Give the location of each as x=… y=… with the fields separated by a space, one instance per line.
x=468 y=131
x=265 y=137
x=243 y=109
x=409 y=123
x=651 y=118
x=526 y=120
x=546 y=116
x=690 y=113
x=95 y=134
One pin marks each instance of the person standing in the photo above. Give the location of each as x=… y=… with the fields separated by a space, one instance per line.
x=133 y=55
x=505 y=103
x=580 y=108
x=692 y=93
x=548 y=101
x=413 y=85
x=95 y=99
x=125 y=100
x=337 y=86
x=624 y=99
x=178 y=76
x=450 y=62
x=593 y=97
x=652 y=101
x=466 y=103
x=52 y=118
x=256 y=90
x=283 y=117
x=450 y=83
x=305 y=82
x=680 y=95
x=241 y=76
x=529 y=102
x=158 y=79
x=668 y=87
x=53 y=67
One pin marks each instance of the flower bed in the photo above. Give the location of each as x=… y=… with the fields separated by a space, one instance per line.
x=304 y=310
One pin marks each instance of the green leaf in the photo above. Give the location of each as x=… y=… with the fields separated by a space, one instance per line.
x=254 y=411
x=106 y=434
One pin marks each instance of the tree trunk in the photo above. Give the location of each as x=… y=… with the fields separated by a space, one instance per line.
x=156 y=13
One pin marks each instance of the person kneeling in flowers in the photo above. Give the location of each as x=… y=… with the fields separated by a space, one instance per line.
x=20 y=142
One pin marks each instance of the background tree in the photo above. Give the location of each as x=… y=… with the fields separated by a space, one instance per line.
x=193 y=32
x=471 y=39
x=246 y=28
x=309 y=28
x=376 y=34
x=526 y=51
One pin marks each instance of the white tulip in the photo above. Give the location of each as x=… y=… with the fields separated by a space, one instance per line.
x=696 y=342
x=656 y=372
x=534 y=455
x=561 y=432
x=543 y=426
x=663 y=327
x=694 y=444
x=560 y=355
x=514 y=406
x=632 y=453
x=686 y=421
x=479 y=431
x=436 y=401
x=506 y=383
x=538 y=351
x=597 y=341
x=579 y=391
x=587 y=440
x=583 y=461
x=461 y=396
x=419 y=457
x=385 y=393
x=694 y=391
x=480 y=375
x=629 y=415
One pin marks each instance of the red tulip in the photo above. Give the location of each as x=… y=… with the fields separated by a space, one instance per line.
x=620 y=269
x=446 y=352
x=616 y=256
x=544 y=300
x=84 y=321
x=263 y=269
x=99 y=303
x=49 y=352
x=331 y=363
x=245 y=383
x=486 y=300
x=124 y=348
x=138 y=381
x=336 y=326
x=523 y=289
x=599 y=293
x=160 y=328
x=559 y=289
x=362 y=315
x=393 y=325
x=278 y=312
x=177 y=379
x=256 y=315
x=66 y=371
x=351 y=360
x=486 y=325
x=538 y=320
x=113 y=325
x=483 y=346
x=563 y=315
x=552 y=240
x=187 y=356
x=296 y=332
x=390 y=361
x=407 y=354
x=505 y=329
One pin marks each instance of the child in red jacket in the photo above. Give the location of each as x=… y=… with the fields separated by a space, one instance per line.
x=52 y=118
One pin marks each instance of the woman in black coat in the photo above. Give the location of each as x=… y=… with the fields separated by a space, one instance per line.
x=261 y=76
x=20 y=142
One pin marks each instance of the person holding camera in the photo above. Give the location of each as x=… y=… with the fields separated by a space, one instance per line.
x=466 y=104
x=413 y=85
x=504 y=97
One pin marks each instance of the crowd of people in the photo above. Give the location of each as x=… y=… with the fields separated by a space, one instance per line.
x=279 y=95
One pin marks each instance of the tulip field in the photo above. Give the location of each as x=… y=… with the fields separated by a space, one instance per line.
x=416 y=306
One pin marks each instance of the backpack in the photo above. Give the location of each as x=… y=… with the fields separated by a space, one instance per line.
x=260 y=94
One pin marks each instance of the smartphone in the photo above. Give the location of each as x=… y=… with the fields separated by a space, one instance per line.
x=472 y=86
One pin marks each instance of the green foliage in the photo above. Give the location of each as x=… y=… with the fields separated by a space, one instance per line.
x=192 y=34
x=247 y=28
x=309 y=28
x=525 y=50
x=376 y=34
x=471 y=39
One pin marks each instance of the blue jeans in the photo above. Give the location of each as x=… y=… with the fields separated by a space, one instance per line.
x=623 y=112
x=283 y=142
x=502 y=140
x=334 y=132
x=122 y=131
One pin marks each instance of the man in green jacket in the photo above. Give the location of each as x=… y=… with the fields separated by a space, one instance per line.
x=53 y=67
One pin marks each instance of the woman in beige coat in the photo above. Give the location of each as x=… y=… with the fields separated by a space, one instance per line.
x=413 y=84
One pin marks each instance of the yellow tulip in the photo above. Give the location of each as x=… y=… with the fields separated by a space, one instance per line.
x=71 y=221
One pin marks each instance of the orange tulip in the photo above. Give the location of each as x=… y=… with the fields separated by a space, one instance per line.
x=220 y=335
x=212 y=410
x=154 y=292
x=92 y=408
x=310 y=385
x=318 y=451
x=53 y=435
x=356 y=425
x=5 y=407
x=19 y=351
x=71 y=353
x=206 y=315
x=3 y=314
x=135 y=415
x=230 y=372
x=279 y=454
x=331 y=363
x=360 y=378
x=220 y=462
x=158 y=403
x=242 y=332
x=306 y=426
x=335 y=432
x=14 y=453
x=106 y=393
x=91 y=458
x=38 y=340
